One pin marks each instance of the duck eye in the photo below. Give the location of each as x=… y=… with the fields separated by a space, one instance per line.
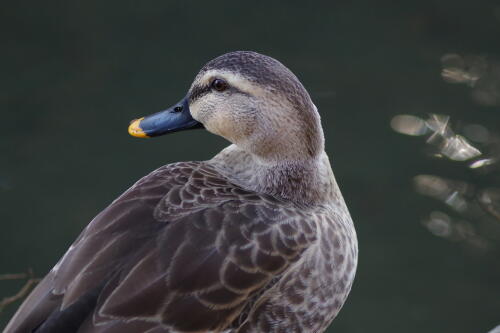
x=219 y=84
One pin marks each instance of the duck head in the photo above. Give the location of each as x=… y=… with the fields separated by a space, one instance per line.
x=250 y=99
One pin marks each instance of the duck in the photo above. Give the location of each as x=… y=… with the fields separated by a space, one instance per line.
x=256 y=239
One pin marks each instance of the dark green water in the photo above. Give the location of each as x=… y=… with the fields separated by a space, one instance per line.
x=75 y=73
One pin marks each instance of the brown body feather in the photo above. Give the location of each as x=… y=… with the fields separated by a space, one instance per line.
x=185 y=250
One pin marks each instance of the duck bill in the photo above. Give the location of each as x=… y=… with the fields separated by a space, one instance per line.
x=174 y=119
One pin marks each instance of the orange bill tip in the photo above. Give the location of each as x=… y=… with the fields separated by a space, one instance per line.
x=134 y=129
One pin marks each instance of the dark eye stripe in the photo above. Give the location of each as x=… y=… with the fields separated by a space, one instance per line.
x=198 y=91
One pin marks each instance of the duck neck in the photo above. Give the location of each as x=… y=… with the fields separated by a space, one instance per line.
x=308 y=181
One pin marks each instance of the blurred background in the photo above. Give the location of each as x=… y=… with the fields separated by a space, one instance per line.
x=409 y=93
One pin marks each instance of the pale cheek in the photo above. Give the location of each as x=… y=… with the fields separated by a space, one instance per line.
x=221 y=123
x=203 y=110
x=232 y=119
x=193 y=109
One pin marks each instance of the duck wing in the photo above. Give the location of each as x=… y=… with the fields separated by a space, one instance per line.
x=183 y=250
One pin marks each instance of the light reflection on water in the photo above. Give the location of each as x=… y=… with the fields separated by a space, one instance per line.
x=478 y=72
x=475 y=209
x=440 y=135
x=471 y=209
